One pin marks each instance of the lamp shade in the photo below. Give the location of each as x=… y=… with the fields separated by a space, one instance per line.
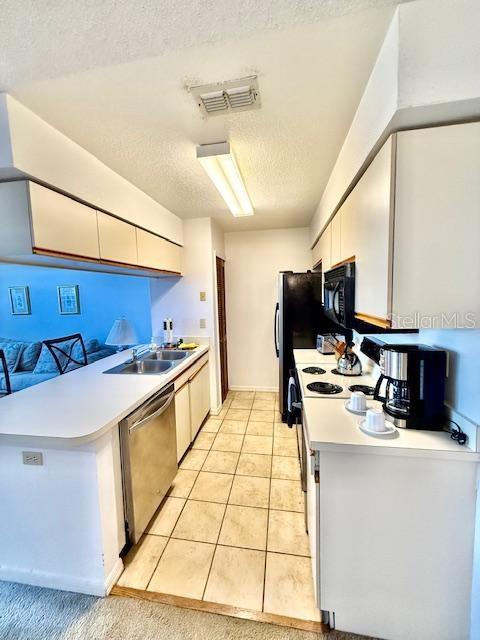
x=121 y=333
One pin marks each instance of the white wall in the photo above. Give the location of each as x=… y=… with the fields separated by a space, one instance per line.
x=439 y=52
x=179 y=298
x=30 y=146
x=426 y=72
x=253 y=261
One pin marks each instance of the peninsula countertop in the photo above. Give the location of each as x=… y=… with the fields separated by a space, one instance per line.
x=81 y=405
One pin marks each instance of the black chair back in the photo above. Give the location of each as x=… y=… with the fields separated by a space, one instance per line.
x=62 y=350
x=4 y=371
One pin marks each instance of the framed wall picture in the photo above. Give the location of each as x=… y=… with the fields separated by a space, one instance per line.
x=20 y=301
x=68 y=299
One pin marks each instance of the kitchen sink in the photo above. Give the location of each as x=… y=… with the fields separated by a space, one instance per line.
x=142 y=367
x=167 y=355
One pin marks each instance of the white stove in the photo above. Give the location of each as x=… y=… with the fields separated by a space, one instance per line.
x=320 y=381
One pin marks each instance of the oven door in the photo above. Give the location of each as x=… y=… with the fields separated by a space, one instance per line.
x=302 y=456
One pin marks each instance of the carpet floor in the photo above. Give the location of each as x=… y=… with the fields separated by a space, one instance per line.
x=33 y=613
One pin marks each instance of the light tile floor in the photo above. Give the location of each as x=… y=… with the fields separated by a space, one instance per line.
x=232 y=529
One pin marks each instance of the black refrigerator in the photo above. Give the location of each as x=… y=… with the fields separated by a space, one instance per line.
x=298 y=319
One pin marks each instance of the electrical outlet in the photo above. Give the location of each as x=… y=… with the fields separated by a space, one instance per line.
x=203 y=323
x=203 y=296
x=32 y=457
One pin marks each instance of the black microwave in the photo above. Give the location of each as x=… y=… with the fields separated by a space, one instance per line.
x=339 y=294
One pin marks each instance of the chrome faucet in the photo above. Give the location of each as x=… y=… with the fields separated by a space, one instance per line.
x=138 y=351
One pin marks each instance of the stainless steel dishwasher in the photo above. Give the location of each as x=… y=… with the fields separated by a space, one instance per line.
x=149 y=459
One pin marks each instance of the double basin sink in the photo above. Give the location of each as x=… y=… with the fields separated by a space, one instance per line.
x=153 y=362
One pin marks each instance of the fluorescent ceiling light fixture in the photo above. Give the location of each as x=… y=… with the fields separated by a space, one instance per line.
x=220 y=164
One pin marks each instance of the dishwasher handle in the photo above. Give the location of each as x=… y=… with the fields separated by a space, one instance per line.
x=155 y=414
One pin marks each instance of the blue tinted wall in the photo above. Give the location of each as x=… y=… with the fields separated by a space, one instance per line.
x=103 y=299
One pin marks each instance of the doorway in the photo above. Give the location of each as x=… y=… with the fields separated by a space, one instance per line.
x=222 y=326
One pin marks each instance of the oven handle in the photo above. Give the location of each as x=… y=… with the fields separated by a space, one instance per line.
x=336 y=291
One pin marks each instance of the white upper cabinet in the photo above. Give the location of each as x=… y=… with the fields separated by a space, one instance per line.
x=366 y=234
x=436 y=265
x=118 y=240
x=157 y=253
x=41 y=226
x=336 y=247
x=412 y=222
x=62 y=225
x=322 y=250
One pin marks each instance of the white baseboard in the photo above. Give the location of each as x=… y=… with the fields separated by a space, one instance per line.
x=215 y=412
x=240 y=388
x=113 y=576
x=55 y=581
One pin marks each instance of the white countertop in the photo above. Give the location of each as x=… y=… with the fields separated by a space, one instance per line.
x=81 y=405
x=313 y=357
x=329 y=426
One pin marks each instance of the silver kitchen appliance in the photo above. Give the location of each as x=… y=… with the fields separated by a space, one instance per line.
x=148 y=446
x=326 y=344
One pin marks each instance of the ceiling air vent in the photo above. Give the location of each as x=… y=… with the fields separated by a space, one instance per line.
x=227 y=97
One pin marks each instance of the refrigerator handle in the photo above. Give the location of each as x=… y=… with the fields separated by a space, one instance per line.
x=275 y=330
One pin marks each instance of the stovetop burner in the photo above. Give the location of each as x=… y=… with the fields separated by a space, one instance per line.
x=314 y=370
x=326 y=388
x=345 y=375
x=364 y=388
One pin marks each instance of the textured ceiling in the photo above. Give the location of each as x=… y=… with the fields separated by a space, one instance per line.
x=112 y=76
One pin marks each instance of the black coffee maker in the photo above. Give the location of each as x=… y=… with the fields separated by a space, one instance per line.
x=414 y=377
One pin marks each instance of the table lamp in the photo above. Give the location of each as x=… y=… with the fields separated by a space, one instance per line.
x=121 y=334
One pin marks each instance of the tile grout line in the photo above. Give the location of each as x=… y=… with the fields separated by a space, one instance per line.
x=221 y=524
x=170 y=537
x=266 y=541
x=235 y=474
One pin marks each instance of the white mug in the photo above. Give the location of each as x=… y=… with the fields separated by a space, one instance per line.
x=375 y=420
x=358 y=401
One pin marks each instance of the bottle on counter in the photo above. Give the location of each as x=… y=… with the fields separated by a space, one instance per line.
x=165 y=331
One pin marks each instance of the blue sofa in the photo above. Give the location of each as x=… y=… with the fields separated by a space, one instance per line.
x=30 y=362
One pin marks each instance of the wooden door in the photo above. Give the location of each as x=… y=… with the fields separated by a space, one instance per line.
x=222 y=326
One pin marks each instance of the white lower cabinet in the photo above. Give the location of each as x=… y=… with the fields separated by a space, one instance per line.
x=199 y=386
x=182 y=418
x=396 y=542
x=313 y=509
x=192 y=403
